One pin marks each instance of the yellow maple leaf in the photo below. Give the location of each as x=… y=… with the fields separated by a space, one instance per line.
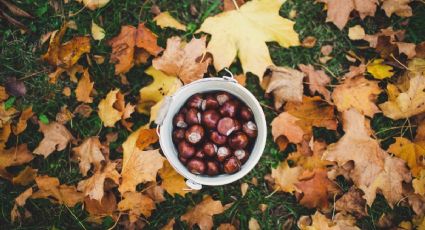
x=107 y=113
x=286 y=177
x=411 y=152
x=419 y=183
x=165 y=20
x=97 y=32
x=245 y=31
x=379 y=70
x=172 y=181
x=136 y=204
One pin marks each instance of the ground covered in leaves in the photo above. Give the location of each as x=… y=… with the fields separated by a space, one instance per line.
x=341 y=82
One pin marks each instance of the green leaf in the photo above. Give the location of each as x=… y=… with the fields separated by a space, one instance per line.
x=43 y=118
x=9 y=103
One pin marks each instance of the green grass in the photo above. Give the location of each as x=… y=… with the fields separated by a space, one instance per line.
x=20 y=58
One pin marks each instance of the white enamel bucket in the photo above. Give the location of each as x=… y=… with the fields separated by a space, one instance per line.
x=173 y=104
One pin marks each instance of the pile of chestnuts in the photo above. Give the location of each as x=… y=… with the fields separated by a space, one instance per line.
x=214 y=132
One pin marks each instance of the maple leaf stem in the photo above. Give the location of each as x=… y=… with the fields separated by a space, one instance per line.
x=399 y=62
x=236 y=4
x=79 y=222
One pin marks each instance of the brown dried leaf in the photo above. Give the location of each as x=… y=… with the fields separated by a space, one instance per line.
x=50 y=188
x=286 y=177
x=22 y=122
x=136 y=204
x=13 y=157
x=88 y=153
x=317 y=80
x=84 y=88
x=99 y=209
x=286 y=85
x=202 y=213
x=352 y=202
x=172 y=181
x=56 y=137
x=398 y=7
x=230 y=4
x=25 y=177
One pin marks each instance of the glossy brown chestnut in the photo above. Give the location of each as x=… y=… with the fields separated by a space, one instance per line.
x=210 y=118
x=226 y=126
x=178 y=135
x=217 y=138
x=194 y=134
x=196 y=166
x=193 y=116
x=229 y=108
x=238 y=125
x=209 y=103
x=183 y=160
x=213 y=168
x=209 y=149
x=186 y=150
x=200 y=154
x=222 y=97
x=231 y=165
x=245 y=113
x=195 y=101
x=223 y=153
x=179 y=120
x=241 y=154
x=238 y=140
x=250 y=129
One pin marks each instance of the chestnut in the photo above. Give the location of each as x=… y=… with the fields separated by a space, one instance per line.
x=229 y=108
x=210 y=118
x=217 y=138
x=193 y=116
x=200 y=154
x=196 y=166
x=178 y=135
x=250 y=128
x=213 y=168
x=245 y=113
x=185 y=149
x=209 y=149
x=226 y=126
x=238 y=140
x=194 y=134
x=223 y=153
x=195 y=101
x=238 y=125
x=232 y=165
x=222 y=97
x=179 y=120
x=209 y=103
x=242 y=155
x=183 y=160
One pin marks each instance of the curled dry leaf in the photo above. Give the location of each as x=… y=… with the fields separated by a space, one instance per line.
x=398 y=7
x=419 y=183
x=358 y=93
x=165 y=20
x=172 y=181
x=374 y=170
x=99 y=209
x=14 y=156
x=146 y=138
x=50 y=188
x=56 y=137
x=286 y=177
x=317 y=80
x=286 y=85
x=88 y=153
x=202 y=213
x=25 y=177
x=352 y=202
x=22 y=122
x=408 y=103
x=93 y=187
x=320 y=221
x=113 y=109
x=186 y=61
x=412 y=152
x=136 y=204
x=97 y=32
x=20 y=202
x=94 y=4
x=257 y=20
x=84 y=88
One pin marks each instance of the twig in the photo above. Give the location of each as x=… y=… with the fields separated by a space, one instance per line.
x=72 y=213
x=236 y=4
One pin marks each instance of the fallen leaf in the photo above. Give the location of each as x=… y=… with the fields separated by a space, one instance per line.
x=84 y=88
x=153 y=93
x=84 y=110
x=93 y=187
x=64 y=115
x=379 y=70
x=6 y=115
x=352 y=202
x=22 y=122
x=309 y=42
x=244 y=188
x=419 y=183
x=226 y=226
x=358 y=93
x=136 y=204
x=97 y=32
x=113 y=108
x=398 y=7
x=3 y=94
x=139 y=167
x=25 y=177
x=365 y=7
x=186 y=61
x=50 y=188
x=20 y=202
x=338 y=12
x=4 y=135
x=412 y=152
x=172 y=181
x=155 y=192
x=309 y=157
x=285 y=125
x=321 y=222
x=409 y=49
x=356 y=32
x=407 y=103
x=99 y=209
x=14 y=156
x=286 y=177
x=56 y=137
x=146 y=138
x=317 y=80
x=88 y=153
x=326 y=50
x=169 y=225
x=165 y=20
x=286 y=85
x=373 y=168
x=94 y=4
x=244 y=32
x=316 y=189
x=253 y=224
x=202 y=214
